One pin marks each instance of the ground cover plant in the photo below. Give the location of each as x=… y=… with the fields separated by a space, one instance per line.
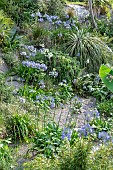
x=56 y=85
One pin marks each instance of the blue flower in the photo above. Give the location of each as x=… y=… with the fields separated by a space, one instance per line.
x=60 y=35
x=66 y=133
x=38 y=14
x=85 y=130
x=32 y=64
x=33 y=15
x=104 y=136
x=97 y=114
x=54 y=17
x=41 y=84
x=90 y=115
x=40 y=19
x=52 y=105
x=78 y=55
x=67 y=16
x=43 y=67
x=58 y=22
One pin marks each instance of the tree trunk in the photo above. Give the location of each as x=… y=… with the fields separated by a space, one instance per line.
x=92 y=15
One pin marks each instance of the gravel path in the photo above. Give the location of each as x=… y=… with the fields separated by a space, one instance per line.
x=65 y=116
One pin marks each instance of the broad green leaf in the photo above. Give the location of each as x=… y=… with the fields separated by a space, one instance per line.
x=106 y=75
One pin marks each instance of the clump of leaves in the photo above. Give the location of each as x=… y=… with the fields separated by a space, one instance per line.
x=106 y=108
x=78 y=157
x=66 y=66
x=48 y=141
x=91 y=51
x=19 y=127
x=91 y=84
x=6 y=24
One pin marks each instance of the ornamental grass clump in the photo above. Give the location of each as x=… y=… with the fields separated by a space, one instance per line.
x=89 y=50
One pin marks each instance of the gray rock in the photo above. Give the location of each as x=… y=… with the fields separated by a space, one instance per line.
x=15 y=84
x=3 y=66
x=80 y=11
x=15 y=81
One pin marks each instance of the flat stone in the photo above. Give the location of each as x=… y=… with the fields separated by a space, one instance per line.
x=15 y=84
x=3 y=66
x=14 y=78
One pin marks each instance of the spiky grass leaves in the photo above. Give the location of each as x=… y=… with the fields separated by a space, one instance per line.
x=90 y=50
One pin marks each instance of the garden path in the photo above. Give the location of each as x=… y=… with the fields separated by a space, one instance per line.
x=77 y=119
x=88 y=105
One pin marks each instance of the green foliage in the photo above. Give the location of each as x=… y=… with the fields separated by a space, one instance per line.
x=102 y=159
x=31 y=75
x=77 y=157
x=41 y=163
x=59 y=67
x=90 y=51
x=11 y=59
x=48 y=141
x=18 y=9
x=106 y=108
x=5 y=155
x=6 y=24
x=19 y=127
x=38 y=34
x=100 y=124
x=105 y=27
x=106 y=75
x=56 y=7
x=91 y=84
x=5 y=91
x=66 y=66
x=74 y=158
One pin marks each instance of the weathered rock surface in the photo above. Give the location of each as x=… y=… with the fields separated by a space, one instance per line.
x=15 y=81
x=80 y=11
x=3 y=66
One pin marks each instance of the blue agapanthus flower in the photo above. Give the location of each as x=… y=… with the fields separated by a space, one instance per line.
x=104 y=136
x=33 y=64
x=85 y=130
x=66 y=133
